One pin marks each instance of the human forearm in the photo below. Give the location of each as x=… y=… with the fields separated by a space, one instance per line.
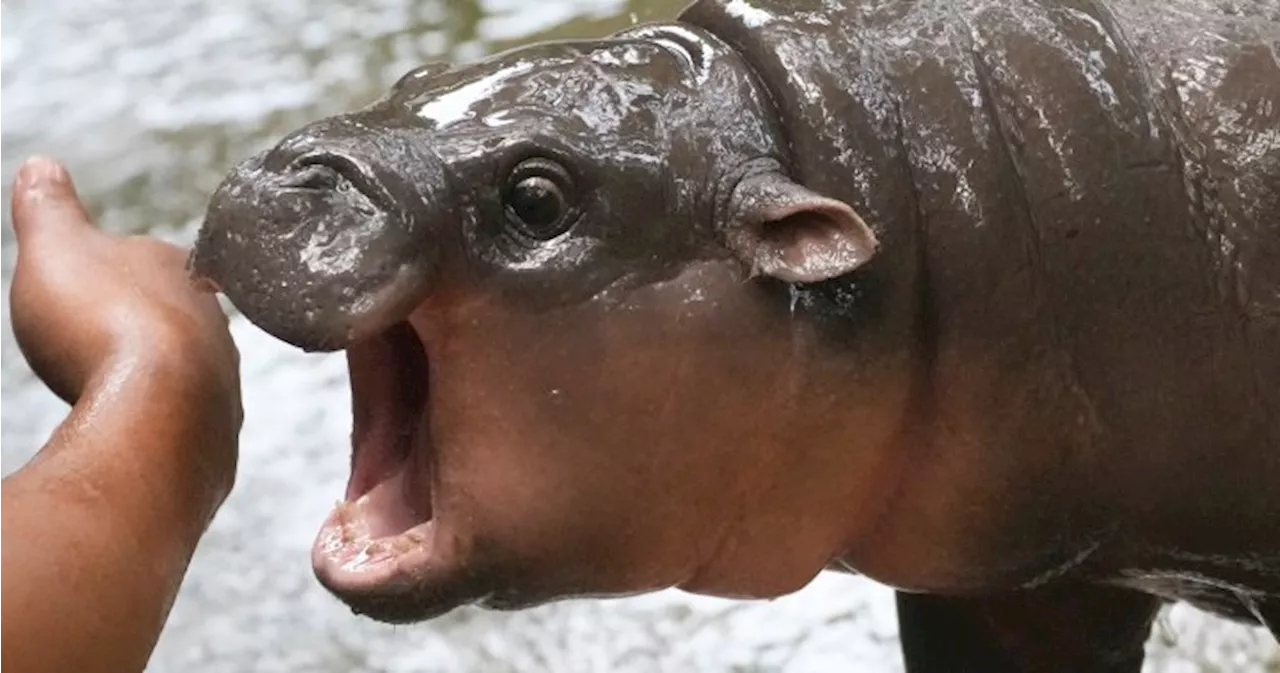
x=99 y=528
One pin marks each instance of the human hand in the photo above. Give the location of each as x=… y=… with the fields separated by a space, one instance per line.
x=91 y=309
x=103 y=522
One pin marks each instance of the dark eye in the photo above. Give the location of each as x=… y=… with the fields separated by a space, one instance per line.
x=539 y=199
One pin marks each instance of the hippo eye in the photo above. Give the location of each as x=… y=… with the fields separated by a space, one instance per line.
x=538 y=199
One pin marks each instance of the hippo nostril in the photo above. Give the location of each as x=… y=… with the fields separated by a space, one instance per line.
x=315 y=176
x=330 y=171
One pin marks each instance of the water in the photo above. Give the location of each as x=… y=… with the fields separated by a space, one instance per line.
x=149 y=102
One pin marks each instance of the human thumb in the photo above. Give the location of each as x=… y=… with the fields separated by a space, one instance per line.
x=45 y=203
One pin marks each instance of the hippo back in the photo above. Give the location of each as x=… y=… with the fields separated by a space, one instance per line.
x=1088 y=196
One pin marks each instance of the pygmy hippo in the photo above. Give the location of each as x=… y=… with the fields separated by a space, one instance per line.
x=979 y=299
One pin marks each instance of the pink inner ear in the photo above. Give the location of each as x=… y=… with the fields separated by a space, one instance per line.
x=797 y=236
x=809 y=241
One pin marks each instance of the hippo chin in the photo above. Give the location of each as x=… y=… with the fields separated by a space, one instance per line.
x=982 y=302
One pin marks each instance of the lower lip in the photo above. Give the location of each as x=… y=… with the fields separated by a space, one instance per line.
x=349 y=559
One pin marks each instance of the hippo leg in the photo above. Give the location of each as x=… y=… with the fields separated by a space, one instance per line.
x=1067 y=627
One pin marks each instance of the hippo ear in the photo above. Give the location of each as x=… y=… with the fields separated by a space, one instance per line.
x=784 y=230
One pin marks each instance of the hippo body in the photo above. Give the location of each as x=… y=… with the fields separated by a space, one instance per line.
x=978 y=299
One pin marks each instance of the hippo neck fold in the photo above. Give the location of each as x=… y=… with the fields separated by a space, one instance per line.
x=840 y=135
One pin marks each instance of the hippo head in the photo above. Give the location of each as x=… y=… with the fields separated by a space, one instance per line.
x=561 y=279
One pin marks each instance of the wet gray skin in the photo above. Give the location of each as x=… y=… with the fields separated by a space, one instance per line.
x=981 y=301
x=349 y=214
x=372 y=246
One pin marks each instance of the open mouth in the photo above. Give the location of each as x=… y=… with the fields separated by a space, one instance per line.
x=383 y=531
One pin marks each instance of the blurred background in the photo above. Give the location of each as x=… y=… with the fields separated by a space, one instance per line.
x=149 y=102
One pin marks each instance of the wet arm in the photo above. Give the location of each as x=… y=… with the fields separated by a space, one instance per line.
x=98 y=530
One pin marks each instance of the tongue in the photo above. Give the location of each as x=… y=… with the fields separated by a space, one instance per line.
x=387 y=509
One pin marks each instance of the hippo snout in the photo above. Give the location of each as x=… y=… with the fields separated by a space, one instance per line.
x=324 y=238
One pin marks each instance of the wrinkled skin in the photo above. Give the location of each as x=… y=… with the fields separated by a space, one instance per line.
x=982 y=302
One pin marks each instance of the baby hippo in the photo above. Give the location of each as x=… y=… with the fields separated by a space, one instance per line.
x=979 y=300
